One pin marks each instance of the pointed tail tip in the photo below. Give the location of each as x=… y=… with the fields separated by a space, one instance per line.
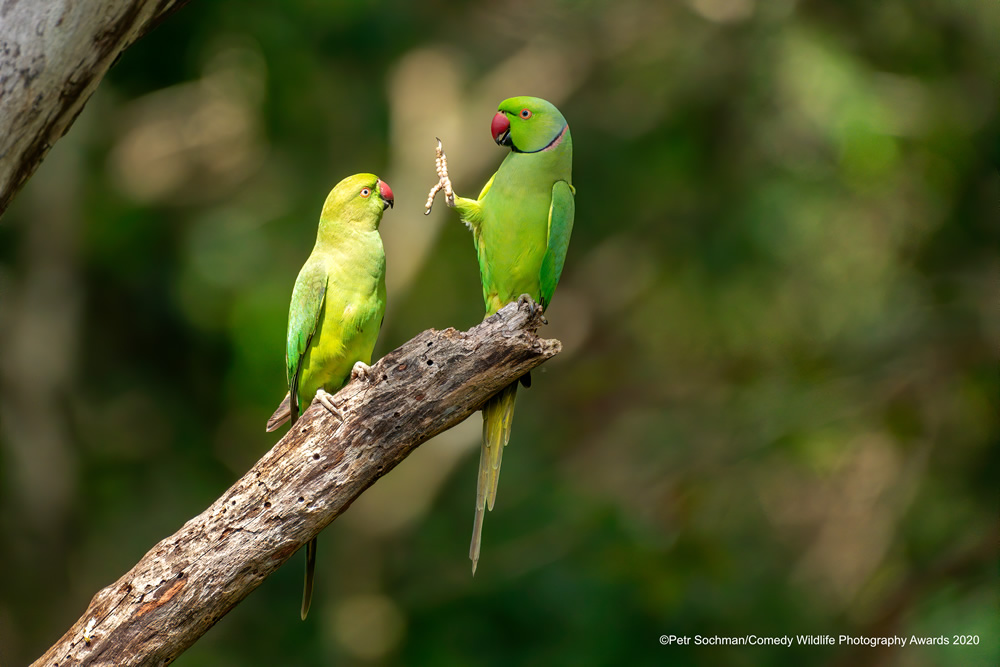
x=306 y=602
x=474 y=557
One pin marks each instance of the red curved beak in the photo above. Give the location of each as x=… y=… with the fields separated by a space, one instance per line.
x=386 y=192
x=500 y=127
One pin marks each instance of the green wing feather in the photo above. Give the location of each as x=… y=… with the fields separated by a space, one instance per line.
x=303 y=319
x=561 y=214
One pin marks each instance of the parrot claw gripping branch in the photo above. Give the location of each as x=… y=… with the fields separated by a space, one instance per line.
x=328 y=401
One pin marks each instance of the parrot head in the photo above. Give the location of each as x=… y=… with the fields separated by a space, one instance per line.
x=528 y=125
x=360 y=198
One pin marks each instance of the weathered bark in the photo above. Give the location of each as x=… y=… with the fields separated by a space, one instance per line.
x=190 y=580
x=53 y=53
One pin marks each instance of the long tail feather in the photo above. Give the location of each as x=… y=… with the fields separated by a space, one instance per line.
x=283 y=414
x=498 y=415
x=307 y=589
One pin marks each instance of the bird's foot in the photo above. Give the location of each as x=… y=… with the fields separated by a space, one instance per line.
x=444 y=182
x=525 y=301
x=327 y=401
x=363 y=371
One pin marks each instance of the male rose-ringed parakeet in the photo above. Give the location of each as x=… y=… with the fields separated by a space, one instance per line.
x=521 y=224
x=336 y=309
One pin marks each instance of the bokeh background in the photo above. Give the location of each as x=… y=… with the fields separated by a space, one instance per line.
x=776 y=411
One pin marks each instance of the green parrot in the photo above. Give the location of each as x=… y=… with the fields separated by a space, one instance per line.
x=521 y=224
x=337 y=307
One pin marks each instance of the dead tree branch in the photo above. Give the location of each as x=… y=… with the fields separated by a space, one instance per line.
x=191 y=579
x=52 y=56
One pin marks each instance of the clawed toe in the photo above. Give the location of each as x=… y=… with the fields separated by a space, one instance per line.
x=444 y=182
x=525 y=300
x=326 y=400
x=363 y=371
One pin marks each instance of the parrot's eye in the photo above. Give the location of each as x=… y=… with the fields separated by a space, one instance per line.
x=365 y=192
x=526 y=113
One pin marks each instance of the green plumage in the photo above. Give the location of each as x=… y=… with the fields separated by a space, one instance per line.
x=339 y=296
x=521 y=225
x=337 y=305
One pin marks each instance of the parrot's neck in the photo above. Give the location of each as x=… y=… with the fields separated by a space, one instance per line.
x=556 y=160
x=549 y=146
x=336 y=233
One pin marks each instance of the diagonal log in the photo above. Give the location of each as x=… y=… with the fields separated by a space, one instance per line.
x=191 y=579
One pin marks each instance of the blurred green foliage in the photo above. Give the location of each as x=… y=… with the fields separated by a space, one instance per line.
x=776 y=412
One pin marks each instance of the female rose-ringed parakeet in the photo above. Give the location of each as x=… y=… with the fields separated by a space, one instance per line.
x=521 y=224
x=336 y=309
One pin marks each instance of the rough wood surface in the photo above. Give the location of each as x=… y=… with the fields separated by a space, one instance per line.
x=53 y=53
x=191 y=579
